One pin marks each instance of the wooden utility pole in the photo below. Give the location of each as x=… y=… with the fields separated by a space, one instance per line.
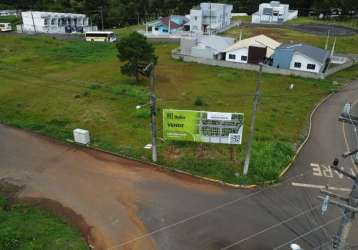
x=252 y=125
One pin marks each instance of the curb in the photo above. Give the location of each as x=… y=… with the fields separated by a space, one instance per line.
x=165 y=168
x=307 y=137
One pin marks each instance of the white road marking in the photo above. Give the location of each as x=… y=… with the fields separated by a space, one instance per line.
x=296 y=184
x=326 y=171
x=316 y=169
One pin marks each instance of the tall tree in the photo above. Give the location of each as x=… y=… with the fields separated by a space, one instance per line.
x=136 y=52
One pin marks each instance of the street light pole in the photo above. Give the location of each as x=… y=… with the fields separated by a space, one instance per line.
x=252 y=125
x=153 y=112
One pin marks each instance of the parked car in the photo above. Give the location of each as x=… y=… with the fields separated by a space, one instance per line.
x=5 y=27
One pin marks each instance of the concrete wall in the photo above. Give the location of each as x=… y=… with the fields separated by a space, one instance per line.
x=333 y=70
x=267 y=69
x=201 y=52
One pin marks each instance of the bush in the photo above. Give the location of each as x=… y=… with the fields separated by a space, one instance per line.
x=142 y=113
x=199 y=101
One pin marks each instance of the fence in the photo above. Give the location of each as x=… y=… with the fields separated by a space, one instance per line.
x=252 y=67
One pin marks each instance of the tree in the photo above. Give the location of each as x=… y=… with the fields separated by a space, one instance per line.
x=137 y=53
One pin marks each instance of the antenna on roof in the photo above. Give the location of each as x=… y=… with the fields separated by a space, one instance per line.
x=333 y=47
x=327 y=41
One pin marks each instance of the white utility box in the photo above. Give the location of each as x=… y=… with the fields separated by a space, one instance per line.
x=81 y=136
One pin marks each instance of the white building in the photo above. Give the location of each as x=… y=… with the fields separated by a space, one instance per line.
x=251 y=50
x=274 y=13
x=209 y=18
x=52 y=22
x=205 y=46
x=302 y=57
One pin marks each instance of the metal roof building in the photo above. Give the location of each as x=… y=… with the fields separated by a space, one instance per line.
x=302 y=57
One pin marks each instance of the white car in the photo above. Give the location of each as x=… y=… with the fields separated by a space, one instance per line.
x=5 y=27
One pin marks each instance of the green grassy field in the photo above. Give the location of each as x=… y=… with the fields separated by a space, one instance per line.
x=53 y=86
x=25 y=227
x=284 y=34
x=350 y=23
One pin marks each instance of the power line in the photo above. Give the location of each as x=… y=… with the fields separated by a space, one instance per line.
x=269 y=228
x=308 y=233
x=205 y=212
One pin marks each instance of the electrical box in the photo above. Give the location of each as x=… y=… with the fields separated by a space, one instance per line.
x=81 y=136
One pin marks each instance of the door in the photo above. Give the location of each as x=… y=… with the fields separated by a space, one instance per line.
x=256 y=55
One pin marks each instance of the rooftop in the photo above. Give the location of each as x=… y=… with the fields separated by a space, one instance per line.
x=219 y=43
x=315 y=53
x=42 y=13
x=257 y=41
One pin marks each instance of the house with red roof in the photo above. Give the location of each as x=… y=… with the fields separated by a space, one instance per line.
x=168 y=25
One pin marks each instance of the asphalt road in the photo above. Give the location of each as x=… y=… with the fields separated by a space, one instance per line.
x=132 y=206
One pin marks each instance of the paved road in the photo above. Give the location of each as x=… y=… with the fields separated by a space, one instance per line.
x=133 y=206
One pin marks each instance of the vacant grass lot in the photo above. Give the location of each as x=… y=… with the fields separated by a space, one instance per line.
x=53 y=86
x=284 y=34
x=25 y=227
x=350 y=23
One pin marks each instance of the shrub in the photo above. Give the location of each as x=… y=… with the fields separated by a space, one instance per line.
x=199 y=101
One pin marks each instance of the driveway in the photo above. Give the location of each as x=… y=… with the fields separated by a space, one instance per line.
x=129 y=205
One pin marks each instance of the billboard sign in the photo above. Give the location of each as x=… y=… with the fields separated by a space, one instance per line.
x=202 y=126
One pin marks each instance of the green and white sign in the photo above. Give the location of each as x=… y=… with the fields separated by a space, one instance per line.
x=202 y=126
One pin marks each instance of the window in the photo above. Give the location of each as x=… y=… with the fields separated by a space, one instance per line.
x=195 y=18
x=298 y=65
x=244 y=58
x=232 y=57
x=156 y=28
x=311 y=66
x=165 y=31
